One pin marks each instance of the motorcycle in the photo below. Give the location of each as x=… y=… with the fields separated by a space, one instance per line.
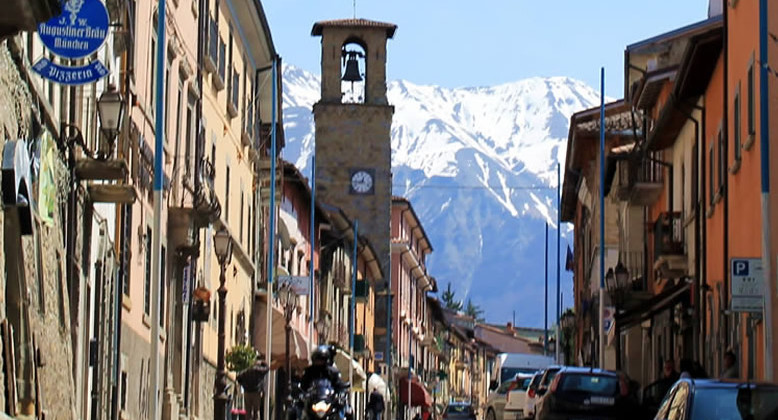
x=323 y=402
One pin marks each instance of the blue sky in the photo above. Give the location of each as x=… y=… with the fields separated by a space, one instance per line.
x=456 y=43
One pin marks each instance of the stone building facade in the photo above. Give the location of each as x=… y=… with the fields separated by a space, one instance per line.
x=34 y=305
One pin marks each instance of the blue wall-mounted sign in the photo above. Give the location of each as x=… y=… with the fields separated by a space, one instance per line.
x=79 y=31
x=65 y=75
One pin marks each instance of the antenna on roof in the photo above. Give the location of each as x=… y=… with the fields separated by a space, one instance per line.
x=354 y=3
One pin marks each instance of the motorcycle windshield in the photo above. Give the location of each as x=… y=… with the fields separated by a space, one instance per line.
x=321 y=389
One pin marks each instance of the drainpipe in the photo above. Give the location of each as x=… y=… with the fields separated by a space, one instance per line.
x=191 y=328
x=725 y=186
x=697 y=296
x=764 y=146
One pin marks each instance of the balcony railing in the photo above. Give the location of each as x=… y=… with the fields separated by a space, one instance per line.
x=640 y=181
x=668 y=234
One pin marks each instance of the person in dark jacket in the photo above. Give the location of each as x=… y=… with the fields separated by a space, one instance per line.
x=253 y=382
x=375 y=405
x=322 y=367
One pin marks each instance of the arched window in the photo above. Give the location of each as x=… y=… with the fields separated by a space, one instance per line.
x=353 y=72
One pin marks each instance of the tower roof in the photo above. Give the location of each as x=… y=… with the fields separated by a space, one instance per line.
x=353 y=23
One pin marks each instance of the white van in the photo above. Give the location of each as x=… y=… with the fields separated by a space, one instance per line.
x=508 y=365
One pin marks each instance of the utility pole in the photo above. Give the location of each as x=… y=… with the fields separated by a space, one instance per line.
x=602 y=221
x=272 y=228
x=156 y=233
x=558 y=282
x=545 y=301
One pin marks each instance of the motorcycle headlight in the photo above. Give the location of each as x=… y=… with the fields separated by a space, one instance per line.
x=320 y=408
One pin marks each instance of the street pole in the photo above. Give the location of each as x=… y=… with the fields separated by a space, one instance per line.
x=545 y=301
x=156 y=233
x=271 y=230
x=558 y=282
x=602 y=221
x=410 y=355
x=220 y=399
x=764 y=144
x=312 y=241
x=353 y=312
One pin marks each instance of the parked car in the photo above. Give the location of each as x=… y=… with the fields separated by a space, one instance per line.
x=459 y=411
x=515 y=401
x=697 y=399
x=545 y=381
x=587 y=393
x=507 y=401
x=532 y=394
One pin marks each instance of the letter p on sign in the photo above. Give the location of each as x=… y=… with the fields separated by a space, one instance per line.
x=740 y=267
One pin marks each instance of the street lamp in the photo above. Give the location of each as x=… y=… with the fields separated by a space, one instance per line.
x=618 y=284
x=222 y=244
x=288 y=299
x=110 y=110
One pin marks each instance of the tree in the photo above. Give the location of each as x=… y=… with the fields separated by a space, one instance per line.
x=474 y=311
x=449 y=299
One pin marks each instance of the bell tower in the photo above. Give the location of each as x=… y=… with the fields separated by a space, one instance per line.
x=353 y=145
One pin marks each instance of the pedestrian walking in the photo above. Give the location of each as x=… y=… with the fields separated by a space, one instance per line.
x=375 y=405
x=253 y=382
x=730 y=366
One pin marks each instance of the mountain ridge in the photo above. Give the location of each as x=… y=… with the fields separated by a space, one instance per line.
x=479 y=166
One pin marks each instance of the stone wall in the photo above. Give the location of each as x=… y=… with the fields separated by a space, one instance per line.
x=44 y=300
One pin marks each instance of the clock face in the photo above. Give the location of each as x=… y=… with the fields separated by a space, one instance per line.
x=362 y=182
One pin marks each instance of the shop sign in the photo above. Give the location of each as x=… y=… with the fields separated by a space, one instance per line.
x=78 y=32
x=300 y=284
x=66 y=75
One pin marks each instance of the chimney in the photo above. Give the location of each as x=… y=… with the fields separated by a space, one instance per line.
x=509 y=327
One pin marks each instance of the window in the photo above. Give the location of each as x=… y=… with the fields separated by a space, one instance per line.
x=147 y=282
x=751 y=108
x=179 y=104
x=227 y=196
x=678 y=405
x=240 y=235
x=162 y=288
x=722 y=161
x=711 y=172
x=131 y=21
x=123 y=402
x=153 y=62
x=737 y=126
x=190 y=133
x=166 y=121
x=126 y=245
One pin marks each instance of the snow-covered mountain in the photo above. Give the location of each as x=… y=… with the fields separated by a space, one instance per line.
x=479 y=166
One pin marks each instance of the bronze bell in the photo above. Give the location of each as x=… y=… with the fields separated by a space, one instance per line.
x=352 y=68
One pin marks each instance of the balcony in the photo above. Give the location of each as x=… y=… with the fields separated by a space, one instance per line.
x=640 y=181
x=193 y=207
x=669 y=254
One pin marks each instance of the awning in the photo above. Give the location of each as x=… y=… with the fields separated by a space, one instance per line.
x=298 y=344
x=419 y=395
x=342 y=360
x=664 y=300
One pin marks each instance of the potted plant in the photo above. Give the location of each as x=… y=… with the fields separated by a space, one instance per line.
x=240 y=358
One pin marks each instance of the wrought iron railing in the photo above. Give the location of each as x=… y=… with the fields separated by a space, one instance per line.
x=668 y=234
